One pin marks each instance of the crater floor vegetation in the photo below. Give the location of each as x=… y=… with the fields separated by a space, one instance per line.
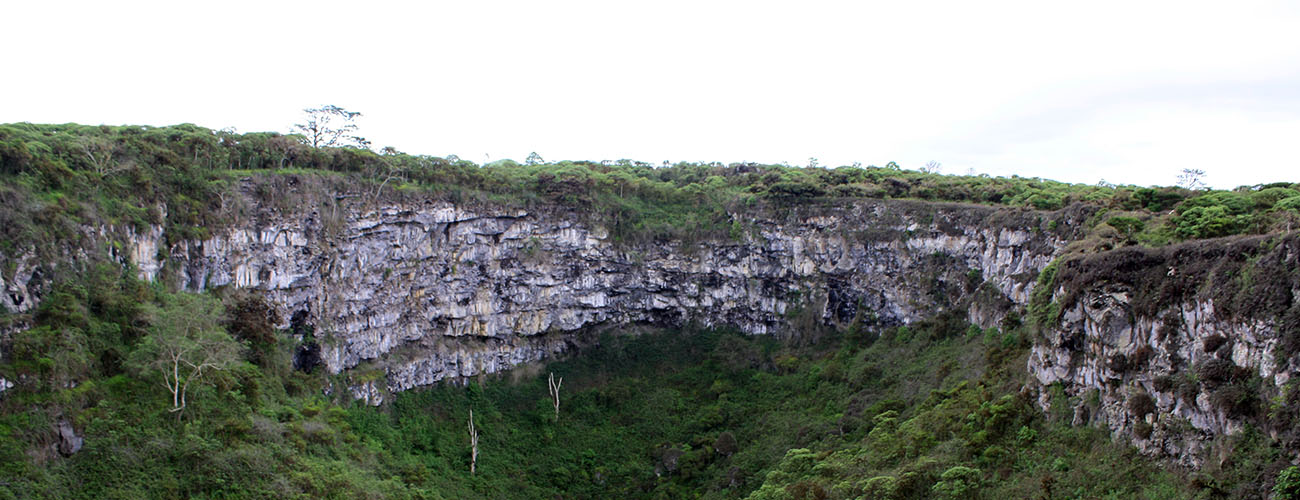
x=930 y=410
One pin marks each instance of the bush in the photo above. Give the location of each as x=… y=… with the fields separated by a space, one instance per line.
x=1213 y=342
x=1127 y=226
x=1267 y=198
x=1157 y=200
x=1119 y=364
x=1141 y=405
x=726 y=444
x=1208 y=222
x=1141 y=356
x=1235 y=400
x=794 y=190
x=958 y=483
x=1164 y=383
x=1142 y=430
x=1213 y=215
x=1292 y=203
x=1287 y=485
x=880 y=487
x=1218 y=371
x=1235 y=203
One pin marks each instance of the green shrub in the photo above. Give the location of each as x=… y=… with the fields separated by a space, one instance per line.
x=1267 y=198
x=1287 y=485
x=795 y=190
x=726 y=444
x=1157 y=200
x=1292 y=203
x=1212 y=215
x=1142 y=430
x=1128 y=227
x=958 y=482
x=1209 y=222
x=883 y=487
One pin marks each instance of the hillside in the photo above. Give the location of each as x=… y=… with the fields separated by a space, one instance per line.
x=723 y=331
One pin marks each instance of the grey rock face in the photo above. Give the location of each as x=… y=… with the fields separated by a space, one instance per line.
x=1209 y=359
x=409 y=294
x=17 y=296
x=69 y=441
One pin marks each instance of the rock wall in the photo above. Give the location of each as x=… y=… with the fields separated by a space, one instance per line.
x=1171 y=347
x=409 y=293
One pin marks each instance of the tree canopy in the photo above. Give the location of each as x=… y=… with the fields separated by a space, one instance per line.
x=185 y=342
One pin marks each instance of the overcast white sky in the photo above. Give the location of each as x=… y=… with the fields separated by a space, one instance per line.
x=1129 y=92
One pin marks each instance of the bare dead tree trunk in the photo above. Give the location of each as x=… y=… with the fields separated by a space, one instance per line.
x=380 y=188
x=390 y=174
x=99 y=157
x=473 y=443
x=553 y=387
x=100 y=153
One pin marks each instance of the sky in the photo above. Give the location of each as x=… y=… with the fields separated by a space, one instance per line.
x=1128 y=92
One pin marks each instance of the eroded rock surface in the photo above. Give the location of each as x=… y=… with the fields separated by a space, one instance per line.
x=407 y=294
x=1171 y=347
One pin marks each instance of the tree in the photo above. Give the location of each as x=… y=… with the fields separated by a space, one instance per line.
x=958 y=482
x=252 y=320
x=473 y=444
x=99 y=152
x=330 y=126
x=932 y=167
x=534 y=159
x=554 y=388
x=1192 y=178
x=185 y=342
x=726 y=444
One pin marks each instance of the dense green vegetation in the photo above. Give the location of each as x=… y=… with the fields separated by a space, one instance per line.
x=934 y=409
x=58 y=176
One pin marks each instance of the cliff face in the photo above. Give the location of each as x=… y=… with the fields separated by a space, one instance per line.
x=410 y=293
x=1170 y=347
